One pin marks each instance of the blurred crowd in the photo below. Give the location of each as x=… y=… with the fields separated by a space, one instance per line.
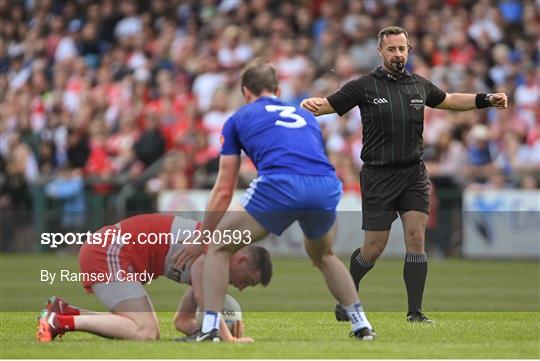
x=97 y=94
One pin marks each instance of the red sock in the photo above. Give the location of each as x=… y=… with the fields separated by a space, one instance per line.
x=66 y=322
x=71 y=310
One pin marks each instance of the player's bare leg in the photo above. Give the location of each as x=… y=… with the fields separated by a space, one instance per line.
x=414 y=229
x=216 y=263
x=374 y=244
x=363 y=259
x=415 y=266
x=337 y=278
x=339 y=282
x=132 y=319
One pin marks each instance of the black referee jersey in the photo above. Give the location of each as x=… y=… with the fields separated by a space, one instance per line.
x=392 y=108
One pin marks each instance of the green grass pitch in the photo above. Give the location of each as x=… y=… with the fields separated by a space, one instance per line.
x=482 y=309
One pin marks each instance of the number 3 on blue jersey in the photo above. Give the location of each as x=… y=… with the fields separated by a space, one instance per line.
x=287 y=111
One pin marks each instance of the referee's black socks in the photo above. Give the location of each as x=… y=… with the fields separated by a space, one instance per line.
x=414 y=275
x=359 y=266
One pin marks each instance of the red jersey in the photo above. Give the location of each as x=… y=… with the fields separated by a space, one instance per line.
x=140 y=244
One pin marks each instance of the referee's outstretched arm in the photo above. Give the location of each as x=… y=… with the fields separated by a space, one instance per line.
x=452 y=101
x=317 y=106
x=461 y=101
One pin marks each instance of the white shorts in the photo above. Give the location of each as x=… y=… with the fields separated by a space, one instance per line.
x=111 y=294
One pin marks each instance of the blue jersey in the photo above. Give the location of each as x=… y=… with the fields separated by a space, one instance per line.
x=278 y=137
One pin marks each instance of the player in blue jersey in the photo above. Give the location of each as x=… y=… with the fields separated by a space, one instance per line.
x=295 y=182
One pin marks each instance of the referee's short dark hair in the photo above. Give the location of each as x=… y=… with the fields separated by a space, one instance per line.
x=261 y=260
x=259 y=76
x=391 y=30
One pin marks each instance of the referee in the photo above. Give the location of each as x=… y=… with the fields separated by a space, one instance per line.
x=393 y=178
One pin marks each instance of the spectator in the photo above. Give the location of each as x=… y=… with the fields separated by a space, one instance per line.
x=363 y=50
x=515 y=156
x=98 y=163
x=479 y=156
x=77 y=148
x=217 y=116
x=22 y=162
x=233 y=52
x=47 y=159
x=450 y=158
x=68 y=188
x=151 y=144
x=207 y=82
x=173 y=175
x=527 y=96
x=120 y=144
x=131 y=24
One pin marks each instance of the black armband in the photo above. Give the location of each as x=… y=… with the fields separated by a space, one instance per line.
x=482 y=100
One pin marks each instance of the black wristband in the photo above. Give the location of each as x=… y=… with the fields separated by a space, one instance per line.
x=482 y=100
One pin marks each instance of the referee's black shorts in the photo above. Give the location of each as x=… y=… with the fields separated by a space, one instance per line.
x=387 y=192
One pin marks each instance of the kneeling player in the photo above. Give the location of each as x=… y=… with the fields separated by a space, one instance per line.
x=131 y=313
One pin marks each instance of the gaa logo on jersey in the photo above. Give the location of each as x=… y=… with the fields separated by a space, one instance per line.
x=380 y=101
